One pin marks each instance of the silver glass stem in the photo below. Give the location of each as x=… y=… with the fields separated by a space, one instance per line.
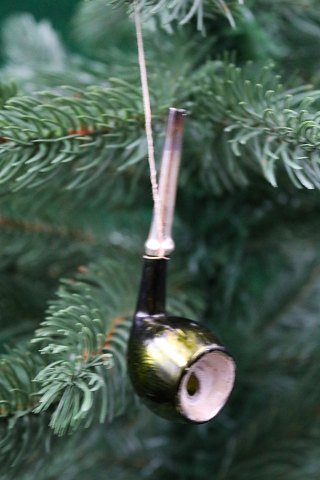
x=159 y=242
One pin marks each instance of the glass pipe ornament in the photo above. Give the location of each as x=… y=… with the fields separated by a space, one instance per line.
x=179 y=369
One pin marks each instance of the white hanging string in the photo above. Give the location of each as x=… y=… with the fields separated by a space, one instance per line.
x=148 y=126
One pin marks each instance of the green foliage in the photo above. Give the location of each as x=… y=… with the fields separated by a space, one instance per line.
x=257 y=434
x=74 y=372
x=27 y=57
x=86 y=331
x=84 y=340
x=18 y=389
x=84 y=136
x=99 y=130
x=43 y=135
x=41 y=39
x=21 y=433
x=181 y=12
x=293 y=28
x=21 y=437
x=88 y=381
x=255 y=113
x=75 y=192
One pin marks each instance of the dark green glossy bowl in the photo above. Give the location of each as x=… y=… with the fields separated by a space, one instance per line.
x=179 y=369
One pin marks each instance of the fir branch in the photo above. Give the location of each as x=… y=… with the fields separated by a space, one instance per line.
x=176 y=11
x=42 y=246
x=44 y=135
x=84 y=338
x=42 y=228
x=20 y=433
x=85 y=137
x=86 y=382
x=38 y=250
x=22 y=440
x=294 y=33
x=257 y=115
x=18 y=391
x=182 y=11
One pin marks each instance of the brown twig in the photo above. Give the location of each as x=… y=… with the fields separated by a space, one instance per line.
x=42 y=228
x=109 y=334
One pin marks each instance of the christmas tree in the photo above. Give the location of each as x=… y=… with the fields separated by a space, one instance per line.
x=76 y=206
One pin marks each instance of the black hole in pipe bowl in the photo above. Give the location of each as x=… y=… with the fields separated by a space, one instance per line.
x=192 y=385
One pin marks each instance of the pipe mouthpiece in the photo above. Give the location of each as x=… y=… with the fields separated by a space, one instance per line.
x=159 y=242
